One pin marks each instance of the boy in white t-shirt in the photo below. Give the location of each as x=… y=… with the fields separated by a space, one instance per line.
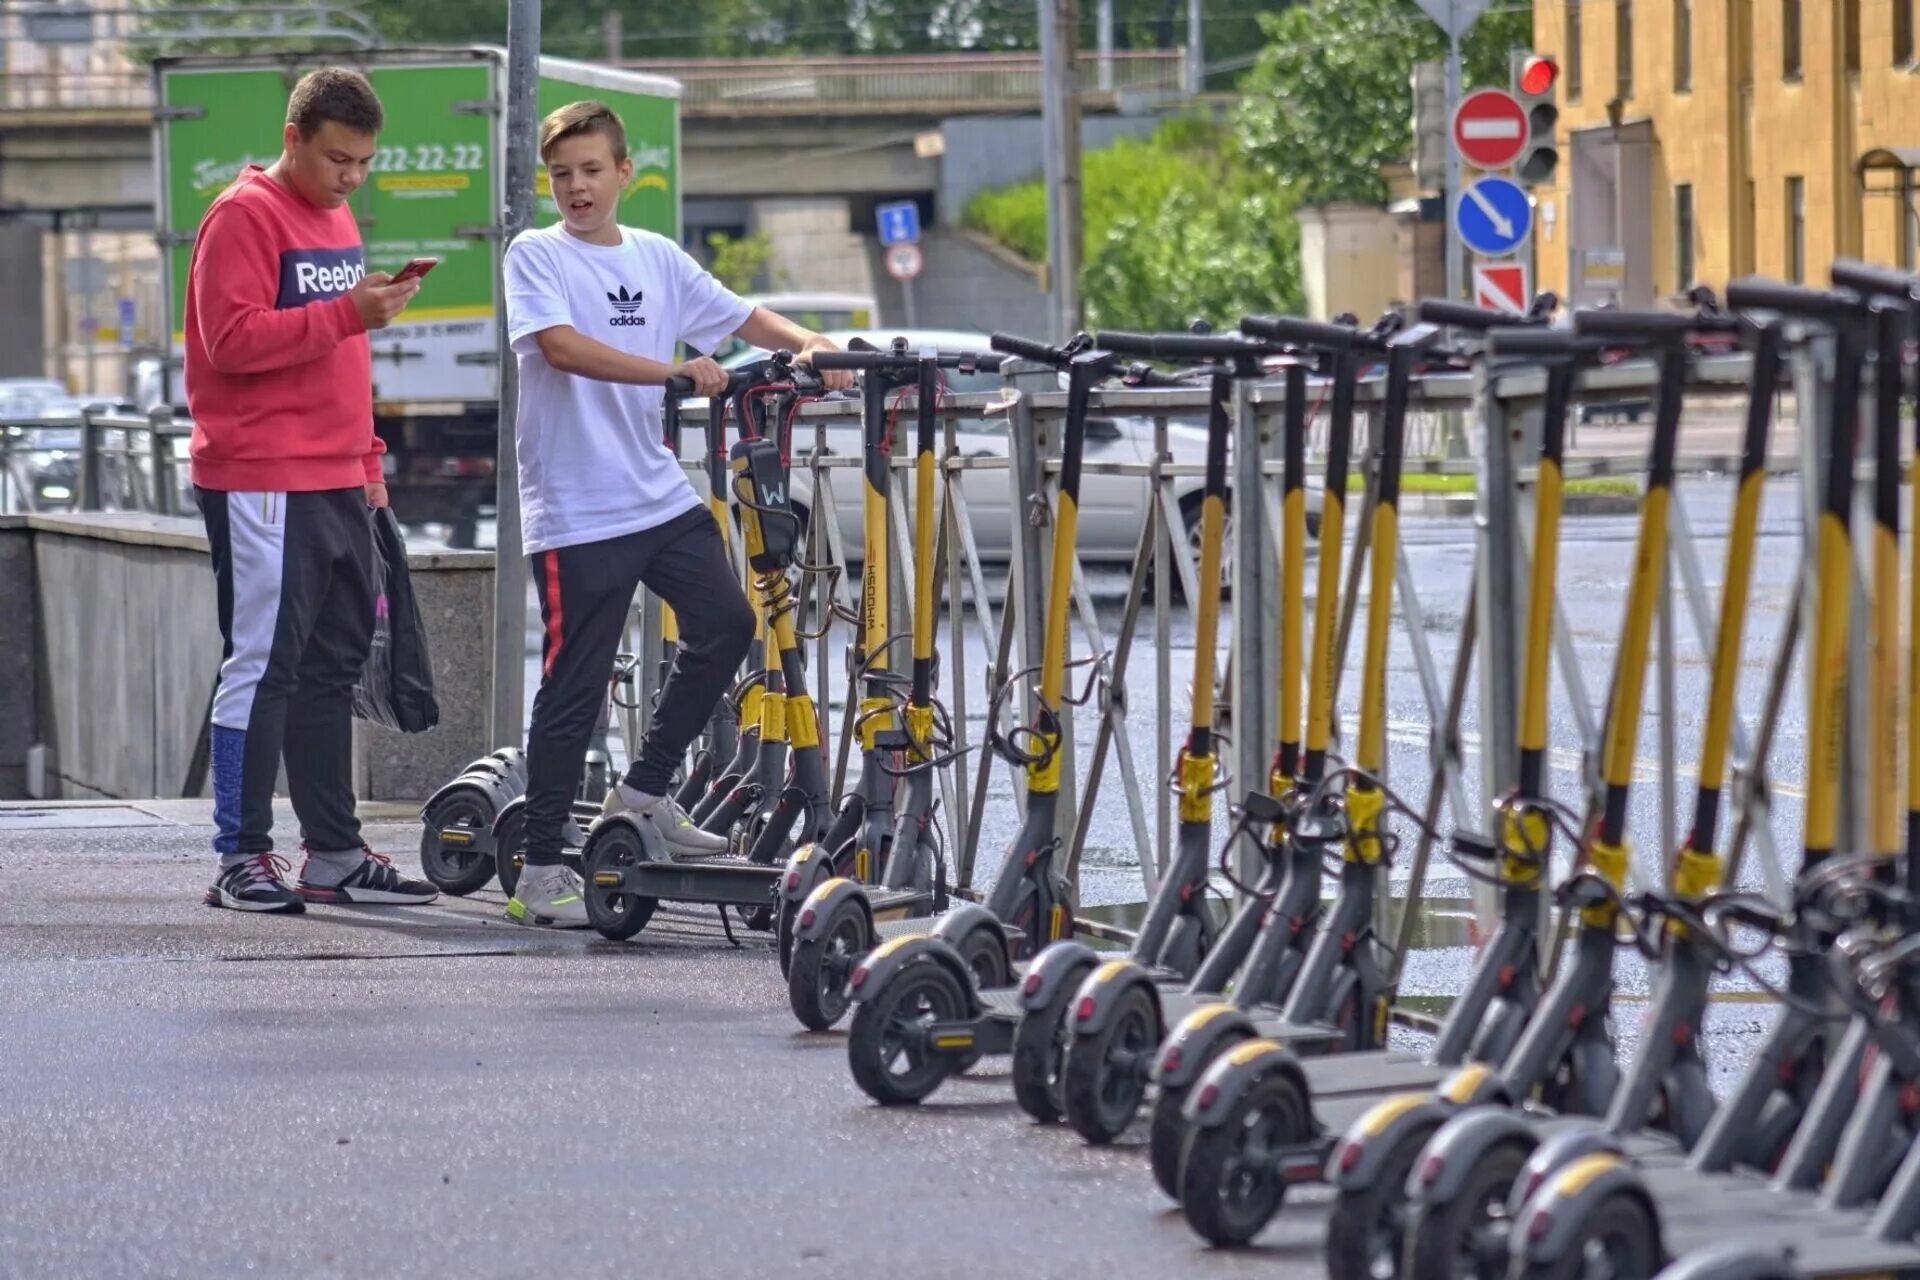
x=594 y=311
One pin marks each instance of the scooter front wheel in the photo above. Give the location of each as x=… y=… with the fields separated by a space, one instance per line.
x=1231 y=1185
x=887 y=1048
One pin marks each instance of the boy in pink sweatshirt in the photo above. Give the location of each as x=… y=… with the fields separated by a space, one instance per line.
x=279 y=381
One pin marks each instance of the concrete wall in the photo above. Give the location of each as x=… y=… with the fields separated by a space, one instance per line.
x=986 y=153
x=1349 y=256
x=124 y=646
x=814 y=245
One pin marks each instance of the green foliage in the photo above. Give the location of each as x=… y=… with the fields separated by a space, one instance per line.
x=1177 y=227
x=1330 y=99
x=737 y=264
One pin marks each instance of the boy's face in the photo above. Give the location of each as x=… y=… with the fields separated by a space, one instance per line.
x=587 y=181
x=330 y=166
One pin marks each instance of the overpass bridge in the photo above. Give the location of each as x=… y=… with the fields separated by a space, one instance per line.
x=800 y=148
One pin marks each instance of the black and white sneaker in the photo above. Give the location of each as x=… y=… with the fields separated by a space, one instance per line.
x=255 y=885
x=373 y=882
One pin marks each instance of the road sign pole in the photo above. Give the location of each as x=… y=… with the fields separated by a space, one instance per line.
x=1453 y=161
x=906 y=301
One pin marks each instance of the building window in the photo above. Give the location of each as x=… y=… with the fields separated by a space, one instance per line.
x=1573 y=50
x=1902 y=32
x=1796 y=229
x=1682 y=46
x=1850 y=32
x=1683 y=237
x=1790 y=39
x=1623 y=48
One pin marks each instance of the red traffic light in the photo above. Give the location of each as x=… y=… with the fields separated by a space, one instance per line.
x=1537 y=76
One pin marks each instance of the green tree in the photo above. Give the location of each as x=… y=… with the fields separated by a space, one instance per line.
x=1330 y=101
x=737 y=264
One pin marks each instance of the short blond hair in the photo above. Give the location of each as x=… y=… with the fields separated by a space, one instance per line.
x=579 y=118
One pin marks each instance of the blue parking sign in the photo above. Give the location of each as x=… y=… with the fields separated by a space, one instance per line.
x=899 y=222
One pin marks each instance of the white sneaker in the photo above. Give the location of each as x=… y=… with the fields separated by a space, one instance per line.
x=552 y=897
x=677 y=832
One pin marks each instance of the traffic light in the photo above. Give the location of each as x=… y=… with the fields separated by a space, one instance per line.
x=1535 y=77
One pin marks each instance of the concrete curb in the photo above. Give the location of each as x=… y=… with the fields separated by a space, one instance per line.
x=1460 y=506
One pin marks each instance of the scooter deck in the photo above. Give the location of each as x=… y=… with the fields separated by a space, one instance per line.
x=1362 y=1077
x=1301 y=1037
x=732 y=882
x=1825 y=1242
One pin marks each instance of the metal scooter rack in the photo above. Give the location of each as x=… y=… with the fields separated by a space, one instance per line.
x=1493 y=403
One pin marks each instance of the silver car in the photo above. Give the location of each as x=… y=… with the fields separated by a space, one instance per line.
x=1113 y=508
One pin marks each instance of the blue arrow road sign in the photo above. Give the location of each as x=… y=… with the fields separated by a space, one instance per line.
x=899 y=223
x=1493 y=216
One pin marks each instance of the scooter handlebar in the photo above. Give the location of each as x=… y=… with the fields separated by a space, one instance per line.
x=1531 y=340
x=1459 y=315
x=1643 y=326
x=1866 y=279
x=1754 y=293
x=1012 y=344
x=1173 y=346
x=1308 y=333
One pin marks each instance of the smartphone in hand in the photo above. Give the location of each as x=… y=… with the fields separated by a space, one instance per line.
x=414 y=270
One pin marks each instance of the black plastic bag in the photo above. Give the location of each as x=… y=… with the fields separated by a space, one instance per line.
x=395 y=688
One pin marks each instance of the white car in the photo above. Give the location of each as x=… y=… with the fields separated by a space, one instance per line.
x=1113 y=508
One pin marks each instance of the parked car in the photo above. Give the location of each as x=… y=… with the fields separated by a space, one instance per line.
x=1113 y=508
x=819 y=310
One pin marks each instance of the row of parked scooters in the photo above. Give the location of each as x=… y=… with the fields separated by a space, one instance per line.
x=1518 y=1143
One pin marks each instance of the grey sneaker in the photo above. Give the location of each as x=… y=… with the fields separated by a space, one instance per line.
x=550 y=896
x=677 y=832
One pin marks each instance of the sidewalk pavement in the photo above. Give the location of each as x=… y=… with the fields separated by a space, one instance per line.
x=434 y=1091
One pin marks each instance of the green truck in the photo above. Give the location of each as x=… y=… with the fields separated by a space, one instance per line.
x=436 y=190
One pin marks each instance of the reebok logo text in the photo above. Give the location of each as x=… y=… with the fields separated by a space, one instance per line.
x=315 y=275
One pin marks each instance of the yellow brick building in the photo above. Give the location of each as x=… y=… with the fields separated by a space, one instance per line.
x=1704 y=139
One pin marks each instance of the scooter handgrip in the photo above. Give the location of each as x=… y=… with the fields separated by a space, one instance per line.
x=1306 y=333
x=1530 y=340
x=1864 y=278
x=1172 y=346
x=1459 y=315
x=679 y=386
x=1754 y=293
x=1012 y=344
x=855 y=360
x=1641 y=325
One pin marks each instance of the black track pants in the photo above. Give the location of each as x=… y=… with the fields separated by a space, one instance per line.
x=585 y=592
x=294 y=575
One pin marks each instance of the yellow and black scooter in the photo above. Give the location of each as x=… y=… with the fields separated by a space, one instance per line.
x=838 y=912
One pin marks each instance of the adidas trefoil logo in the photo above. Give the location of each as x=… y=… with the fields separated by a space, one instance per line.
x=625 y=304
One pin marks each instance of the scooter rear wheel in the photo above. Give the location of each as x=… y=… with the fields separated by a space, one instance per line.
x=1167 y=1136
x=458 y=869
x=817 y=973
x=1230 y=1185
x=885 y=1048
x=613 y=913
x=1617 y=1241
x=1365 y=1230
x=510 y=850
x=1466 y=1237
x=1040 y=1055
x=1104 y=1082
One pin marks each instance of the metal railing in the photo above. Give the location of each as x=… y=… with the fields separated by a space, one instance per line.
x=774 y=84
x=98 y=461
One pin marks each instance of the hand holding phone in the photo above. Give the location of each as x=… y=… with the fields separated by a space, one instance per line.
x=414 y=270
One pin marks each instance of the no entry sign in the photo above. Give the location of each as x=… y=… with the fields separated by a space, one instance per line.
x=1490 y=129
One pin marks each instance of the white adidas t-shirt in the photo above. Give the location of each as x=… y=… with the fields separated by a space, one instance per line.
x=593 y=465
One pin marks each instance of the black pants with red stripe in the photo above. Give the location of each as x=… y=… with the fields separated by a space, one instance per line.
x=585 y=593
